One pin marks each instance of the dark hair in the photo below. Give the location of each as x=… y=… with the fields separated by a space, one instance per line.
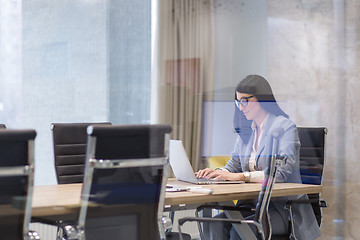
x=260 y=88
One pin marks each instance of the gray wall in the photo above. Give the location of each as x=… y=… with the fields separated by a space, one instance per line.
x=309 y=52
x=313 y=60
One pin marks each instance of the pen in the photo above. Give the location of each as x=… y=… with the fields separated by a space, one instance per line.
x=172 y=188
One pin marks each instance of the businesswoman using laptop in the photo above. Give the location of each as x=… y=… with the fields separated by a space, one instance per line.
x=257 y=114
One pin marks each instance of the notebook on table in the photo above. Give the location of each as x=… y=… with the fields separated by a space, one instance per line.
x=182 y=168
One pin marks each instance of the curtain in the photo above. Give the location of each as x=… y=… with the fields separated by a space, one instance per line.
x=183 y=68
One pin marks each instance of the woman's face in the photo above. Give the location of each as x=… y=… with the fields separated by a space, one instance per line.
x=248 y=104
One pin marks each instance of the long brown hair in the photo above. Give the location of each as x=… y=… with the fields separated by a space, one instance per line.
x=261 y=89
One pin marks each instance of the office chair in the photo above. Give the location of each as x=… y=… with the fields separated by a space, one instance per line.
x=124 y=185
x=312 y=158
x=260 y=218
x=69 y=141
x=69 y=144
x=16 y=184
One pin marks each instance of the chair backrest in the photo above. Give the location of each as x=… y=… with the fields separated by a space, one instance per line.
x=125 y=180
x=273 y=162
x=312 y=158
x=312 y=154
x=16 y=182
x=69 y=141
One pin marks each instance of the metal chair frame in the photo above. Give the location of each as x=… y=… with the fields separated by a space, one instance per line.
x=60 y=176
x=92 y=163
x=322 y=203
x=26 y=170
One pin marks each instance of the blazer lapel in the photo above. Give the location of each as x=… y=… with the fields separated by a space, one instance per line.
x=259 y=164
x=258 y=155
x=247 y=154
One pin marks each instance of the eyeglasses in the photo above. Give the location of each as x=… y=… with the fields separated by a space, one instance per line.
x=243 y=101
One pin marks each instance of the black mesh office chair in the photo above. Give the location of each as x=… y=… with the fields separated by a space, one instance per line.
x=69 y=141
x=259 y=220
x=16 y=184
x=124 y=185
x=312 y=159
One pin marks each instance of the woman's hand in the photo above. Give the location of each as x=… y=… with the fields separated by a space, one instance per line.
x=225 y=175
x=203 y=173
x=208 y=173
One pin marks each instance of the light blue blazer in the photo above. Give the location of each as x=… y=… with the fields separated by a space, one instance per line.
x=306 y=226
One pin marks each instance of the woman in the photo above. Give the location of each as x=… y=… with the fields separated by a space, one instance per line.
x=256 y=115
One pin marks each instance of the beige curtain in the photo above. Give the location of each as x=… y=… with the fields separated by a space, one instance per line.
x=183 y=68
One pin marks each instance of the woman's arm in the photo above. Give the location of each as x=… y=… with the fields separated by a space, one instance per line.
x=234 y=164
x=289 y=148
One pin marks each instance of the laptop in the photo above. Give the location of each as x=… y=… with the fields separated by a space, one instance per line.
x=182 y=168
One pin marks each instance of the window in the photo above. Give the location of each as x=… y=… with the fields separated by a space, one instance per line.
x=73 y=61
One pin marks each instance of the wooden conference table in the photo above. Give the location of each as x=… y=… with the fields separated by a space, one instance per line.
x=64 y=199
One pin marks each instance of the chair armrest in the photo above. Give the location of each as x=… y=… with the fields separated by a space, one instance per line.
x=322 y=203
x=319 y=204
x=227 y=208
x=45 y=221
x=181 y=221
x=204 y=219
x=212 y=206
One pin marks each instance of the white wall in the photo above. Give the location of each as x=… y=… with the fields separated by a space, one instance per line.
x=240 y=49
x=240 y=43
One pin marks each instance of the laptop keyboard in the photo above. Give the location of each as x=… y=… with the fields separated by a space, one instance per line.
x=208 y=181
